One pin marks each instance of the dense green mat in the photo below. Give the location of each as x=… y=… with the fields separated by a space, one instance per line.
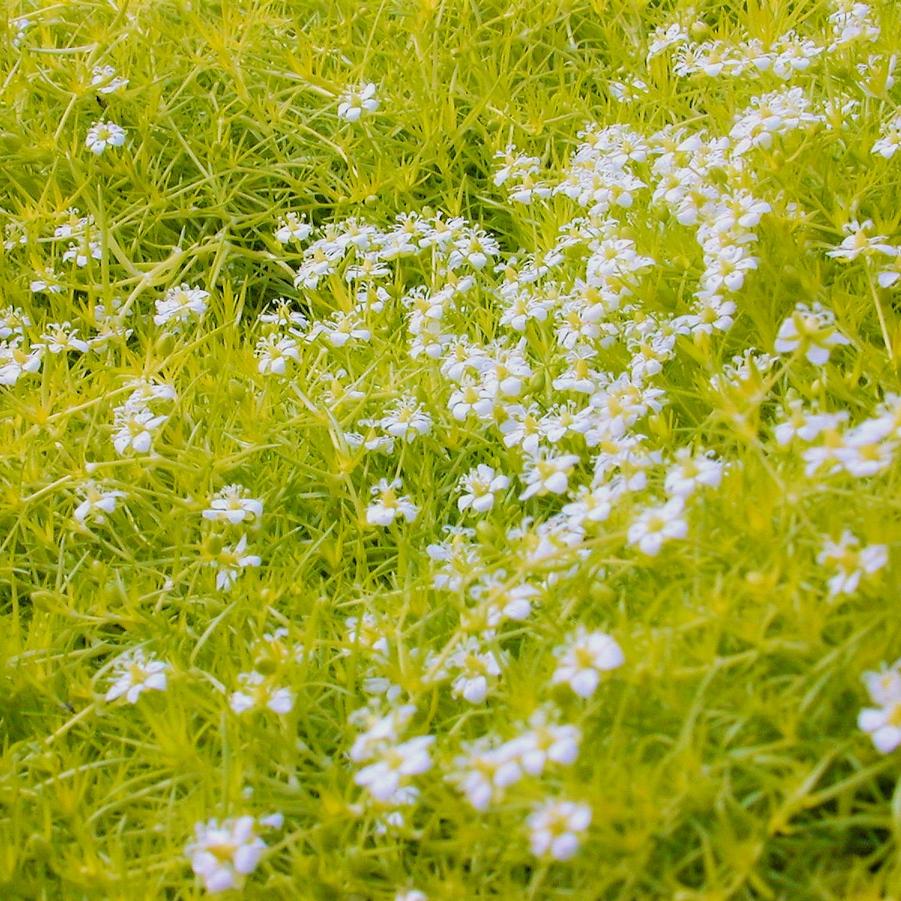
x=450 y=450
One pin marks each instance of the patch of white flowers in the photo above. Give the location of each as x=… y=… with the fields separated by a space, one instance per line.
x=561 y=391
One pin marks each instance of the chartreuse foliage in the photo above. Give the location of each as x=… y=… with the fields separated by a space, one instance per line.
x=449 y=449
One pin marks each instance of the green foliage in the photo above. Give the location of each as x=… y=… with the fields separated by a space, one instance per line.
x=722 y=761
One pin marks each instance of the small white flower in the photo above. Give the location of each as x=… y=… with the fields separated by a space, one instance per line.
x=96 y=502
x=657 y=525
x=105 y=81
x=223 y=854
x=475 y=671
x=556 y=828
x=890 y=141
x=858 y=242
x=365 y=633
x=584 y=658
x=13 y=322
x=274 y=351
x=389 y=504
x=230 y=561
x=146 y=392
x=135 y=428
x=104 y=134
x=258 y=691
x=292 y=227
x=592 y=505
x=546 y=742
x=16 y=362
x=499 y=600
x=475 y=247
x=479 y=487
x=688 y=472
x=234 y=505
x=180 y=305
x=890 y=275
x=46 y=281
x=811 y=330
x=850 y=562
x=390 y=774
x=406 y=419
x=380 y=732
x=883 y=723
x=354 y=102
x=548 y=473
x=483 y=772
x=60 y=337
x=134 y=674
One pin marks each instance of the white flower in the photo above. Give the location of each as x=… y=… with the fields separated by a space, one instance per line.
x=475 y=247
x=548 y=473
x=592 y=504
x=406 y=419
x=688 y=472
x=134 y=674
x=281 y=312
x=223 y=854
x=850 y=562
x=859 y=243
x=471 y=399
x=258 y=691
x=341 y=328
x=380 y=732
x=391 y=771
x=84 y=250
x=884 y=726
x=230 y=561
x=233 y=504
x=61 y=337
x=292 y=227
x=890 y=141
x=657 y=525
x=15 y=362
x=274 y=351
x=365 y=632
x=105 y=80
x=180 y=305
x=479 y=486
x=546 y=742
x=556 y=828
x=475 y=667
x=883 y=722
x=810 y=329
x=135 y=427
x=890 y=275
x=20 y=26
x=499 y=600
x=354 y=102
x=389 y=505
x=96 y=502
x=104 y=134
x=146 y=392
x=46 y=281
x=483 y=772
x=13 y=322
x=884 y=687
x=584 y=658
